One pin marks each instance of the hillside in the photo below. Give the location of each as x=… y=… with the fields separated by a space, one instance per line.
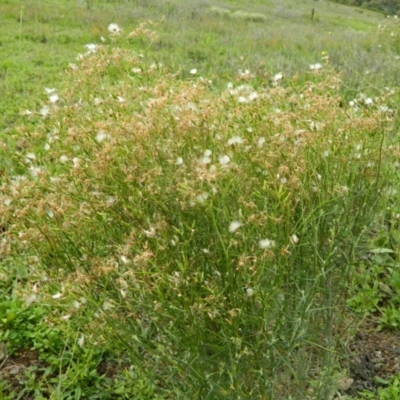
x=391 y=7
x=38 y=42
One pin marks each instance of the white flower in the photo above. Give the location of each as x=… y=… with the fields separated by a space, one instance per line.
x=63 y=159
x=179 y=161
x=49 y=212
x=316 y=66
x=49 y=91
x=266 y=243
x=384 y=108
x=7 y=202
x=30 y=299
x=57 y=296
x=114 y=29
x=252 y=96
x=224 y=160
x=201 y=198
x=294 y=239
x=44 y=111
x=101 y=135
x=244 y=88
x=136 y=70
x=124 y=260
x=249 y=292
x=81 y=341
x=368 y=101
x=111 y=200
x=46 y=146
x=260 y=141
x=244 y=73
x=76 y=304
x=66 y=317
x=277 y=77
x=91 y=47
x=53 y=98
x=150 y=233
x=120 y=99
x=193 y=71
x=34 y=171
x=205 y=160
x=107 y=305
x=30 y=156
x=390 y=90
x=234 y=225
x=235 y=140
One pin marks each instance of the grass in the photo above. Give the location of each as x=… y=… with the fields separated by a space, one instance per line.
x=40 y=40
x=210 y=233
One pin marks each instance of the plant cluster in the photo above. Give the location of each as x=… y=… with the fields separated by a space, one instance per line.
x=206 y=235
x=390 y=33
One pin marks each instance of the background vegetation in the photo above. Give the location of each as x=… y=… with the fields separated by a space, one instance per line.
x=391 y=7
x=198 y=201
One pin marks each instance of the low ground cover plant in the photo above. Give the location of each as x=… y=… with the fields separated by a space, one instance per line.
x=205 y=238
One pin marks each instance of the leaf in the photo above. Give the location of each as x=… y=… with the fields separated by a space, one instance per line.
x=11 y=316
x=381 y=250
x=381 y=380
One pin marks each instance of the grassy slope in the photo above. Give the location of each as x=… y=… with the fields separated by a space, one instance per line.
x=50 y=35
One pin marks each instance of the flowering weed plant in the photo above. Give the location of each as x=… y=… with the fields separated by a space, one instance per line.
x=209 y=233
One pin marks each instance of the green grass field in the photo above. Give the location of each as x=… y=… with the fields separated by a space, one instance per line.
x=198 y=201
x=40 y=38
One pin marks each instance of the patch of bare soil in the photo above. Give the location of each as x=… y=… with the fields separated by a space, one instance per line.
x=373 y=354
x=13 y=368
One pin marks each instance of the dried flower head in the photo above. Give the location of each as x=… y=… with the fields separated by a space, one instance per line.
x=234 y=225
x=114 y=29
x=266 y=243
